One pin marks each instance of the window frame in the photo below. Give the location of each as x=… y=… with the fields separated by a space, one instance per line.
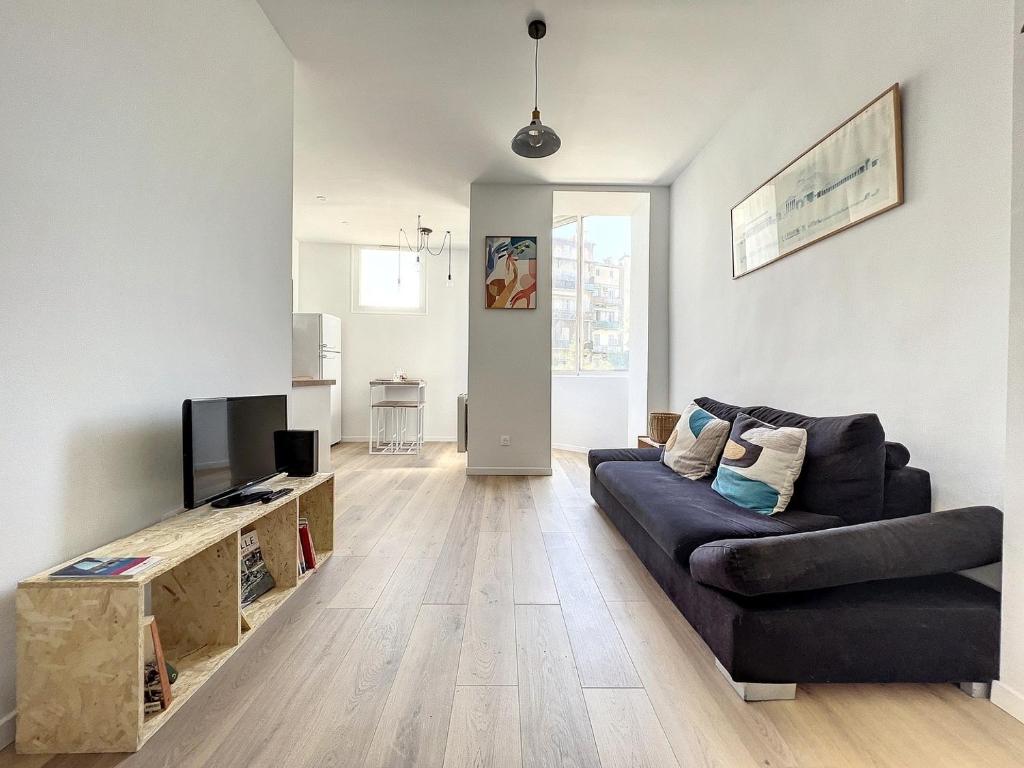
x=580 y=372
x=371 y=309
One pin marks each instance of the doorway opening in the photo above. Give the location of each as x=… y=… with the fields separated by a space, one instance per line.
x=599 y=322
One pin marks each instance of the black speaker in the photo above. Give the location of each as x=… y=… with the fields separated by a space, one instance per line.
x=296 y=451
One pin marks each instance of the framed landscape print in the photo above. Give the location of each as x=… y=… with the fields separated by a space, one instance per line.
x=852 y=174
x=511 y=272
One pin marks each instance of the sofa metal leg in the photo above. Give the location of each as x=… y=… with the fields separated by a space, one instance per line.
x=977 y=690
x=759 y=691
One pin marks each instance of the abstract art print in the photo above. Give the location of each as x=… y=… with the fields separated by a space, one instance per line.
x=852 y=174
x=511 y=272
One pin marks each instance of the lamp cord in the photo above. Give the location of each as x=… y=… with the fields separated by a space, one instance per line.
x=536 y=71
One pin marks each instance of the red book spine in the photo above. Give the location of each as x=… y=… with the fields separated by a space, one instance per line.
x=308 y=553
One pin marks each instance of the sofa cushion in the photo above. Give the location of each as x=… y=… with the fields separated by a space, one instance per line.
x=760 y=464
x=844 y=466
x=920 y=545
x=681 y=515
x=723 y=411
x=597 y=456
x=897 y=455
x=693 y=448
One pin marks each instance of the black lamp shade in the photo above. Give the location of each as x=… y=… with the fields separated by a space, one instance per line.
x=536 y=140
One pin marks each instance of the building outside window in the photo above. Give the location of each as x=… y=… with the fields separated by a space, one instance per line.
x=590 y=294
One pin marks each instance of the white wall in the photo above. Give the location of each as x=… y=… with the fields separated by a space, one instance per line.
x=145 y=226
x=590 y=412
x=431 y=346
x=1008 y=691
x=903 y=315
x=509 y=349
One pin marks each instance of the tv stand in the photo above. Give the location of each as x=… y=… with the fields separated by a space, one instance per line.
x=252 y=495
x=80 y=642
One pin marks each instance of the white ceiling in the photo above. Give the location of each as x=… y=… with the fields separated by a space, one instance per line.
x=401 y=104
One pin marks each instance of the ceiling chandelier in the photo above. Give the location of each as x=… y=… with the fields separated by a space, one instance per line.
x=423 y=245
x=536 y=139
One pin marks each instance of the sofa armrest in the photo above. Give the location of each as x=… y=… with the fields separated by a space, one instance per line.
x=601 y=455
x=920 y=545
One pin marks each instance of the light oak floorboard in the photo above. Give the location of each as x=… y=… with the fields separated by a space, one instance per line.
x=484 y=729
x=453 y=577
x=365 y=585
x=601 y=657
x=494 y=517
x=413 y=728
x=354 y=693
x=432 y=530
x=628 y=732
x=489 y=645
x=271 y=718
x=549 y=511
x=531 y=572
x=693 y=711
x=614 y=576
x=399 y=533
x=556 y=729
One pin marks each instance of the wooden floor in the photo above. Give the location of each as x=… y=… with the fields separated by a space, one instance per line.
x=503 y=622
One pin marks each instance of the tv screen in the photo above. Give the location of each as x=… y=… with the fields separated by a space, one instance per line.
x=229 y=443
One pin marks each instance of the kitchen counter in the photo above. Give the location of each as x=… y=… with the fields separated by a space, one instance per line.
x=309 y=407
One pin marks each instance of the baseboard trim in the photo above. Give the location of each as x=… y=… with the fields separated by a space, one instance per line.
x=508 y=470
x=570 y=448
x=362 y=439
x=1008 y=700
x=7 y=729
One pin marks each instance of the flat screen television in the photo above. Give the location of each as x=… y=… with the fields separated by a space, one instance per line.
x=228 y=446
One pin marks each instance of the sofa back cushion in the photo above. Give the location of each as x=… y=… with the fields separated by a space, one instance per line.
x=844 y=465
x=720 y=410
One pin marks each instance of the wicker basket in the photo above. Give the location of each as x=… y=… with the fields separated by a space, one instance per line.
x=660 y=425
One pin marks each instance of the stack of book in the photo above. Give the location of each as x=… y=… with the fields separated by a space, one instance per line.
x=307 y=553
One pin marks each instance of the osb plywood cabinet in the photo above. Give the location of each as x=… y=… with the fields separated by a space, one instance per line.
x=81 y=644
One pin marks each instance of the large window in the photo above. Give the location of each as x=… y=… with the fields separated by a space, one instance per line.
x=590 y=294
x=388 y=280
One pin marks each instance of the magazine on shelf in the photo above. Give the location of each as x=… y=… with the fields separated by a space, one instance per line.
x=105 y=568
x=256 y=578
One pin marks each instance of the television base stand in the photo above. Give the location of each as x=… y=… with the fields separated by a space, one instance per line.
x=242 y=498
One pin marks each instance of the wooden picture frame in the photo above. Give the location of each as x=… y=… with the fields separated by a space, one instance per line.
x=862 y=157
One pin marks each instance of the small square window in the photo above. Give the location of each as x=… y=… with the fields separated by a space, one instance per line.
x=390 y=281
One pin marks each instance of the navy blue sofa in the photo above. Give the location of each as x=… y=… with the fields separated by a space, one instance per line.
x=855 y=582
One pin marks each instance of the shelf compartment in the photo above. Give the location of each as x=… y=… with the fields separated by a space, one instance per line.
x=196 y=602
x=194 y=669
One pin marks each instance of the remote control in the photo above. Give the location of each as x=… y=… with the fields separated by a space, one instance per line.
x=276 y=495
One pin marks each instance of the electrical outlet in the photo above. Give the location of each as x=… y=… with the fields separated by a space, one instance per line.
x=506 y=440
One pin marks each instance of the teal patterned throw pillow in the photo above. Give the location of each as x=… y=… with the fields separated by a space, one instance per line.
x=760 y=464
x=693 y=447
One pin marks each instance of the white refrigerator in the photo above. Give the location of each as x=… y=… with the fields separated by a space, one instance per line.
x=316 y=354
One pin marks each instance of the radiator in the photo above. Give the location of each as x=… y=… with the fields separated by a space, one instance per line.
x=462 y=409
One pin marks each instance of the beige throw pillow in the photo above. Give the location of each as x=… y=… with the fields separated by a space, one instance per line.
x=696 y=443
